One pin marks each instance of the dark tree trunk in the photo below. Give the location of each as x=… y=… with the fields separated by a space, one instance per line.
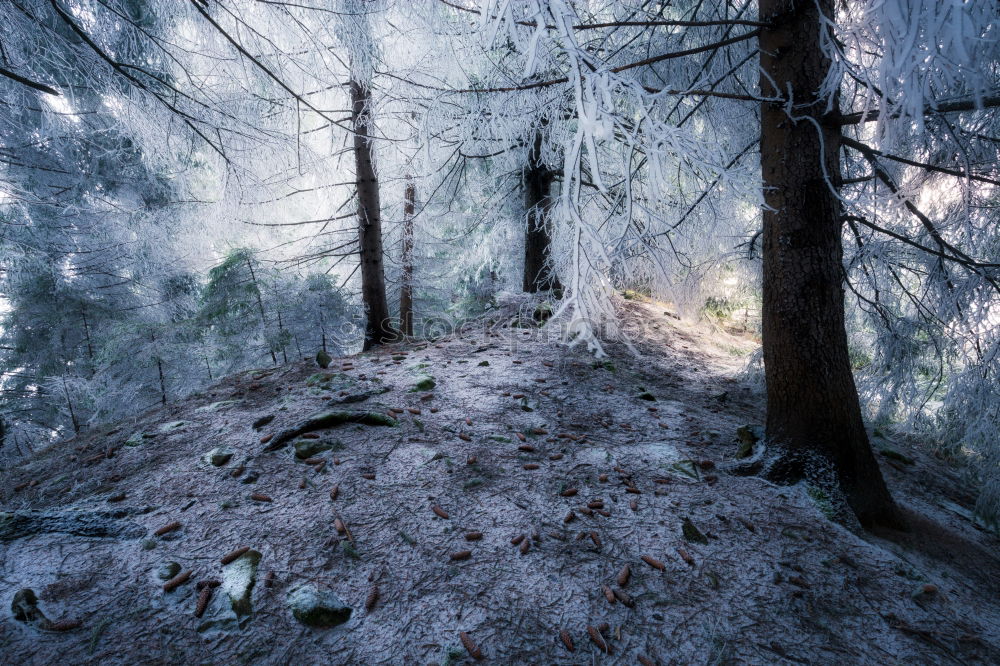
x=538 y=180
x=406 y=288
x=260 y=306
x=813 y=414
x=378 y=329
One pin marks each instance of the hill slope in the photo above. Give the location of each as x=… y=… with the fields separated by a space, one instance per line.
x=498 y=435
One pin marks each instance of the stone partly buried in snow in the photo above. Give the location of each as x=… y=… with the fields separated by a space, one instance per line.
x=218 y=456
x=168 y=570
x=238 y=579
x=24 y=608
x=101 y=524
x=307 y=448
x=139 y=438
x=317 y=608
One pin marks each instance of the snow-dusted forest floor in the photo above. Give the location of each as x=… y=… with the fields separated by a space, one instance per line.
x=513 y=424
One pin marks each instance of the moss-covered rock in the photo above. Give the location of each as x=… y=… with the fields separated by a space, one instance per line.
x=748 y=435
x=238 y=579
x=317 y=608
x=691 y=533
x=168 y=570
x=424 y=383
x=307 y=448
x=218 y=456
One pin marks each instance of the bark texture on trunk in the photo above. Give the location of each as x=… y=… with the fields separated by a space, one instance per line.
x=378 y=329
x=538 y=180
x=813 y=413
x=406 y=287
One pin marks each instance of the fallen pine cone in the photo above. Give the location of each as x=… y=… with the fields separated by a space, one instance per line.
x=117 y=497
x=603 y=478
x=65 y=625
x=539 y=431
x=596 y=538
x=586 y=510
x=468 y=421
x=230 y=557
x=434 y=410
x=633 y=490
x=518 y=539
x=439 y=511
x=203 y=599
x=525 y=546
x=266 y=438
x=465 y=438
x=208 y=582
x=623 y=597
x=309 y=435
x=521 y=436
x=21 y=486
x=313 y=461
x=413 y=410
x=471 y=460
x=608 y=594
x=556 y=456
x=653 y=562
x=260 y=497
x=269 y=579
x=595 y=504
x=623 y=576
x=339 y=525
x=685 y=556
x=470 y=647
x=604 y=512
x=372 y=599
x=238 y=471
x=527 y=448
x=634 y=505
x=567 y=641
x=169 y=527
x=599 y=641
x=569 y=492
x=645 y=661
x=334 y=492
x=177 y=581
x=303 y=483
x=461 y=555
x=570 y=517
x=473 y=536
x=529 y=466
x=368 y=476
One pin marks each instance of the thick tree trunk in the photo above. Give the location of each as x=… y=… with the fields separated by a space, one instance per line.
x=406 y=288
x=378 y=329
x=813 y=414
x=538 y=181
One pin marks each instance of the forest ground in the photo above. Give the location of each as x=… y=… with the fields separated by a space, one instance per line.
x=760 y=574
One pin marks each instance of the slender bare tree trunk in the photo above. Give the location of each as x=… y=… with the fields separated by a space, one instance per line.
x=406 y=288
x=159 y=370
x=378 y=329
x=538 y=180
x=260 y=305
x=813 y=414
